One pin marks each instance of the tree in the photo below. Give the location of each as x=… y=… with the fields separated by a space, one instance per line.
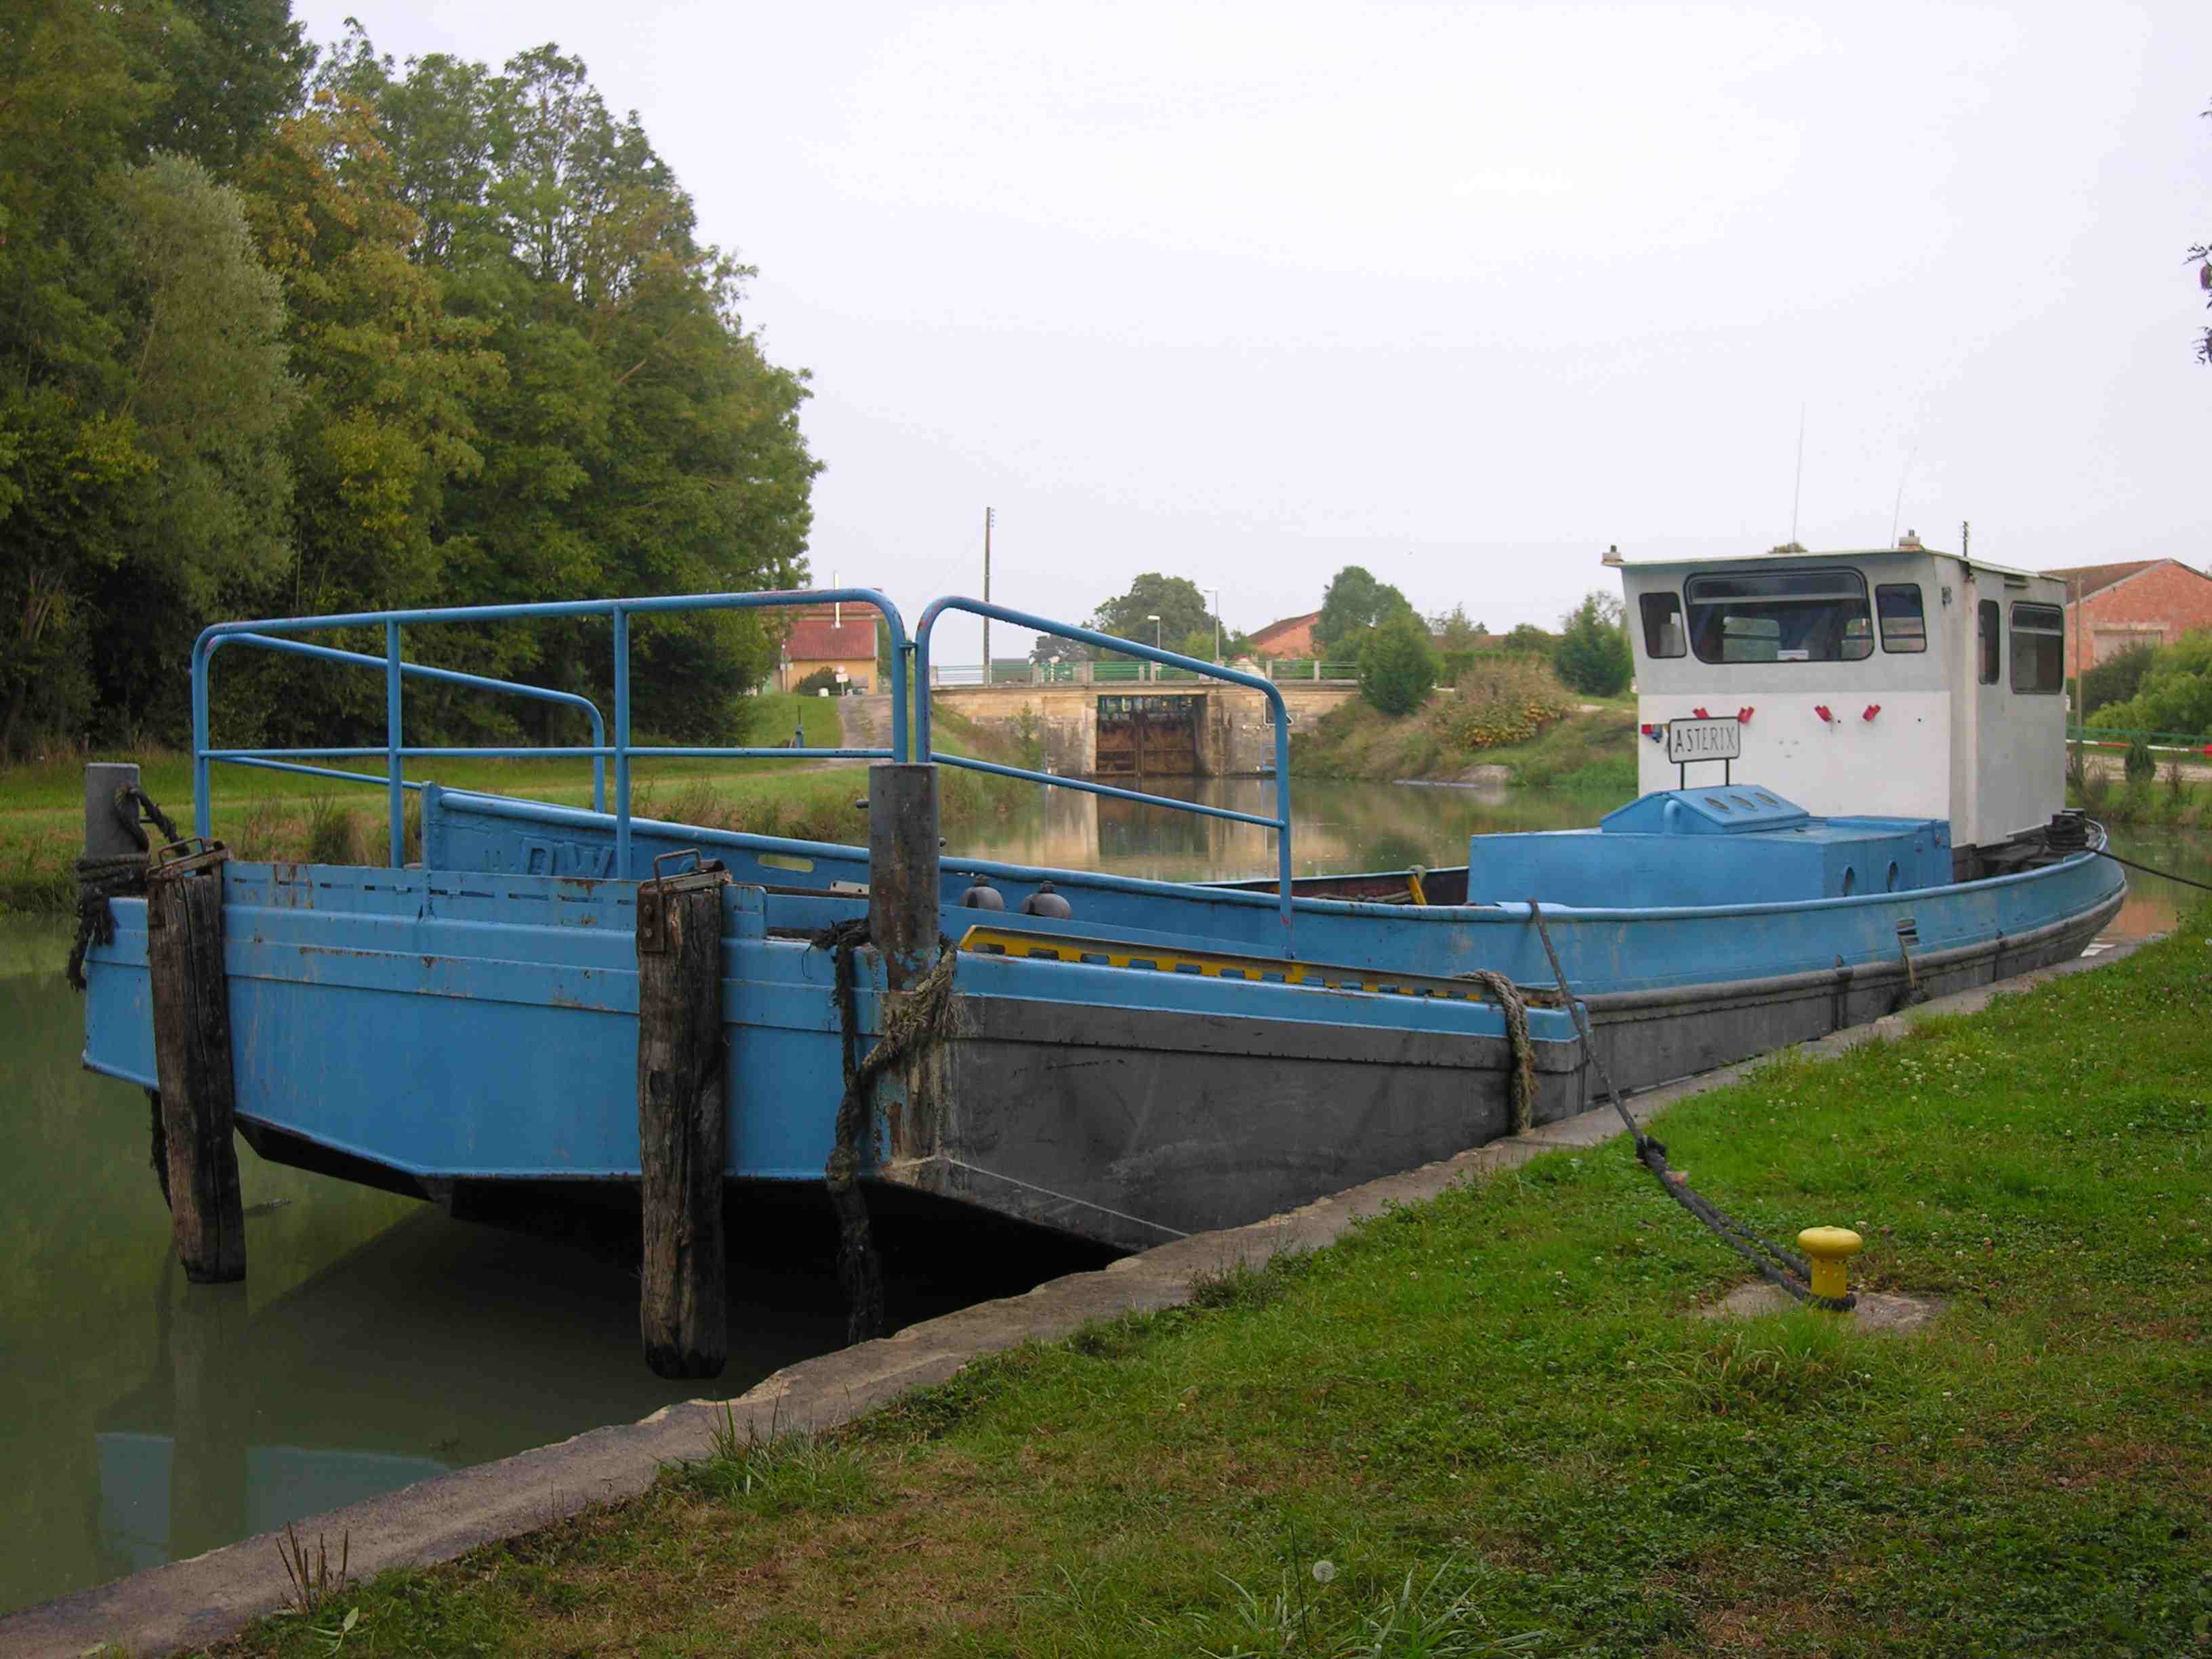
x=1397 y=664
x=1455 y=630
x=1355 y=601
x=1527 y=640
x=232 y=69
x=1175 y=600
x=1593 y=656
x=2201 y=253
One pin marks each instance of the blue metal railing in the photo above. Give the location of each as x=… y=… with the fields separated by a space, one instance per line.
x=395 y=750
x=421 y=670
x=1280 y=824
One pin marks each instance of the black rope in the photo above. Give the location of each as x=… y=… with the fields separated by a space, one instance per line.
x=159 y=1156
x=2186 y=881
x=122 y=875
x=1781 y=1266
x=860 y=1268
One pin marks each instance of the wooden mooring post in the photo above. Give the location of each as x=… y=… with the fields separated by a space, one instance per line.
x=192 y=1062
x=682 y=1132
x=903 y=892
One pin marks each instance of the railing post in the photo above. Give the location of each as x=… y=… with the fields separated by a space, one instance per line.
x=621 y=621
x=396 y=795
x=903 y=891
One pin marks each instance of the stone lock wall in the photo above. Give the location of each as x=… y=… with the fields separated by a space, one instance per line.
x=1235 y=736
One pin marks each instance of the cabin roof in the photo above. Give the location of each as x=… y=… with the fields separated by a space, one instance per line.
x=1827 y=555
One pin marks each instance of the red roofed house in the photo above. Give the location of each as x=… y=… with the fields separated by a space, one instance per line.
x=2149 y=602
x=830 y=636
x=1291 y=638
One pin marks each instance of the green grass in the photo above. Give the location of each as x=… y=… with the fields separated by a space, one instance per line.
x=1592 y=750
x=265 y=814
x=1500 y=1420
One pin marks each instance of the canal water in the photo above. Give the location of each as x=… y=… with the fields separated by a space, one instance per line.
x=375 y=1342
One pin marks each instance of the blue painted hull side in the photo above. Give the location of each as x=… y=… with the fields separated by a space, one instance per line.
x=1627 y=949
x=479 y=1026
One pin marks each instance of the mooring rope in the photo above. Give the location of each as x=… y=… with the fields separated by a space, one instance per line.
x=1508 y=997
x=1781 y=1266
x=909 y=1024
x=122 y=875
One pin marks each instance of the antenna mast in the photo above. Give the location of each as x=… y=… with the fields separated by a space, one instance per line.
x=1797 y=488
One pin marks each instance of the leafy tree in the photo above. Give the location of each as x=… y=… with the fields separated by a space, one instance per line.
x=232 y=67
x=1355 y=601
x=2201 y=253
x=1593 y=656
x=1397 y=664
x=2117 y=677
x=2176 y=693
x=1455 y=631
x=1527 y=640
x=1175 y=600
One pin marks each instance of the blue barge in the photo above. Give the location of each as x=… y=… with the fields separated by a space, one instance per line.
x=1136 y=1061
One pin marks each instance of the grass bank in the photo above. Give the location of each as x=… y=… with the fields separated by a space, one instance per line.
x=1496 y=1422
x=264 y=815
x=1592 y=748
x=2174 y=797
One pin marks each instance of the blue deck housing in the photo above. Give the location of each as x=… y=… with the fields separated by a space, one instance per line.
x=1736 y=844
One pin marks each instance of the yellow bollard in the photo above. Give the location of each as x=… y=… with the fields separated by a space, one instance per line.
x=1829 y=1249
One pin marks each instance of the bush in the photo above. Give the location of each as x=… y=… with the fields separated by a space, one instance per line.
x=1502 y=700
x=2142 y=764
x=1397 y=664
x=2175 y=693
x=2117 y=678
x=822 y=679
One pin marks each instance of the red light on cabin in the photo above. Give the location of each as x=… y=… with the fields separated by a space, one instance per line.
x=1821 y=709
x=1743 y=715
x=1701 y=713
x=1872 y=709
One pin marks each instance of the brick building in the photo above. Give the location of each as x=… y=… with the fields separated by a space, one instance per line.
x=2148 y=602
x=830 y=636
x=1291 y=638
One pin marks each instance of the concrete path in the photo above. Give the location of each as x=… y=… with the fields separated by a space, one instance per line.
x=213 y=1596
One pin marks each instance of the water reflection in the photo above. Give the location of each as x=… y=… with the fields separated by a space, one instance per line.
x=373 y=1343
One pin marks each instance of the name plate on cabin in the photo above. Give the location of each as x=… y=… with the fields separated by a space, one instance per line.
x=1702 y=740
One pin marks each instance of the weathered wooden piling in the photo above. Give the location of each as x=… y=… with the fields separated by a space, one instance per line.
x=192 y=1062
x=681 y=1131
x=903 y=894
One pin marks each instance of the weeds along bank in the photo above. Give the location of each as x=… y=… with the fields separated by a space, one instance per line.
x=1503 y=711
x=2171 y=795
x=268 y=815
x=1499 y=1422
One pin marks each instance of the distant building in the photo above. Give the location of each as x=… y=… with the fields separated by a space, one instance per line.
x=2148 y=602
x=1293 y=637
x=821 y=637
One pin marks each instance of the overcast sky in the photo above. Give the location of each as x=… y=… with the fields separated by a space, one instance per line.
x=1461 y=294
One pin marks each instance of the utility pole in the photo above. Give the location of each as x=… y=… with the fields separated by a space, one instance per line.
x=988 y=514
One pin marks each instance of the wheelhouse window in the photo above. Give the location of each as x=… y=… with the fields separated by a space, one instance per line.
x=2038 y=649
x=1904 y=625
x=1662 y=625
x=1988 y=632
x=1781 y=615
